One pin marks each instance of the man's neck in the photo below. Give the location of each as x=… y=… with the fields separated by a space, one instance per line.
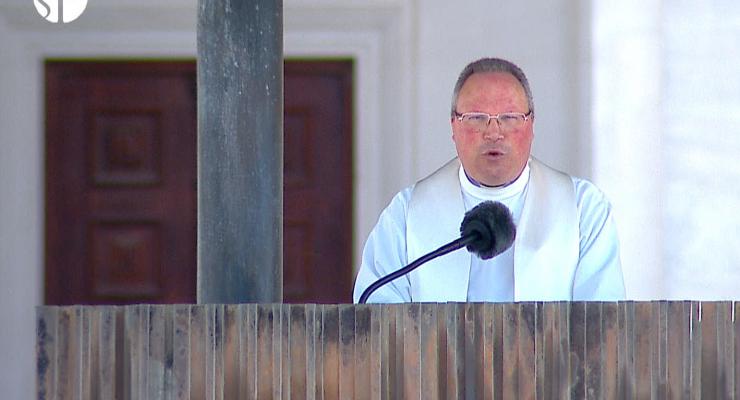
x=483 y=185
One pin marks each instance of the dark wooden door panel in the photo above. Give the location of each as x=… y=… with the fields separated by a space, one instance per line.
x=121 y=148
x=318 y=182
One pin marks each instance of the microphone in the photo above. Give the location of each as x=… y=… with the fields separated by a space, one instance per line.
x=486 y=231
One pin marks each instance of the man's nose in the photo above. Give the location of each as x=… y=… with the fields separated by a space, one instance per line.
x=493 y=130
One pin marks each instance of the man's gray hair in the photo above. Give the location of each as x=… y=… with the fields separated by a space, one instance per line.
x=491 y=65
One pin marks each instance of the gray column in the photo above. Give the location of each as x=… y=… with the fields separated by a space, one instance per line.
x=240 y=151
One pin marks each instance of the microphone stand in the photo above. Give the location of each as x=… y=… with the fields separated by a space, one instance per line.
x=450 y=247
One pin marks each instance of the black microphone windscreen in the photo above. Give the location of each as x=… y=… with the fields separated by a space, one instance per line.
x=494 y=225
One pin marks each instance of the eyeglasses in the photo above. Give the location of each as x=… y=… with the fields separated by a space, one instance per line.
x=478 y=121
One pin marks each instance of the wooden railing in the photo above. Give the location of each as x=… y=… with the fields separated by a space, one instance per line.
x=640 y=350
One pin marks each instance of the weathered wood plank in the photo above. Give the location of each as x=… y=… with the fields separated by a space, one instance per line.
x=377 y=368
x=696 y=350
x=155 y=357
x=471 y=354
x=198 y=360
x=490 y=369
x=510 y=351
x=539 y=355
x=181 y=350
x=298 y=350
x=577 y=325
x=455 y=351
x=643 y=351
x=311 y=351
x=527 y=357
x=429 y=351
x=709 y=339
x=411 y=352
x=363 y=361
x=330 y=350
x=104 y=338
x=346 y=351
x=47 y=346
x=677 y=349
x=594 y=361
x=725 y=353
x=231 y=351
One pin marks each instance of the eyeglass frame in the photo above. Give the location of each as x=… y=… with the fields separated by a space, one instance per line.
x=526 y=116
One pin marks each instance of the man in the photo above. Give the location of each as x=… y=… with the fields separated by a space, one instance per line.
x=566 y=245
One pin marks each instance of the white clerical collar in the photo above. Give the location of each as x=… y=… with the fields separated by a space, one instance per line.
x=494 y=193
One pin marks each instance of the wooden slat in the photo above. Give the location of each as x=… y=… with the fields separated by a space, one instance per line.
x=411 y=352
x=696 y=351
x=282 y=352
x=709 y=376
x=471 y=353
x=510 y=351
x=659 y=327
x=455 y=351
x=346 y=351
x=725 y=353
x=610 y=349
x=678 y=361
x=104 y=338
x=577 y=326
x=363 y=362
x=298 y=350
x=181 y=351
x=643 y=341
x=527 y=357
x=47 y=320
x=539 y=353
x=562 y=350
x=377 y=368
x=231 y=351
x=156 y=357
x=330 y=351
x=198 y=360
x=594 y=360
x=550 y=373
x=428 y=347
x=312 y=354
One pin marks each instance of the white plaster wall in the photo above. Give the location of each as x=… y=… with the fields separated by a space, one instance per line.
x=409 y=54
x=20 y=221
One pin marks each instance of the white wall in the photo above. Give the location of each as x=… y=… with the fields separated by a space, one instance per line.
x=408 y=54
x=21 y=216
x=667 y=118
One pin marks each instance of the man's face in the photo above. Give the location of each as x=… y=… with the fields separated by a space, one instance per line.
x=492 y=157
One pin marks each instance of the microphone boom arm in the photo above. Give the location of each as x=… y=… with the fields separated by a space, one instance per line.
x=448 y=248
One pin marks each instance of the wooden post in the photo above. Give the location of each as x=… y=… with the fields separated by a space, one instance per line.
x=240 y=151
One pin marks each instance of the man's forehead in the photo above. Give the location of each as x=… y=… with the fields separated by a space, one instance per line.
x=492 y=84
x=496 y=77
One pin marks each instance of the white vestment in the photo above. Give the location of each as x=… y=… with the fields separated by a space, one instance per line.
x=566 y=246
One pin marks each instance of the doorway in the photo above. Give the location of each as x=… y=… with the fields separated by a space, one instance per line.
x=121 y=182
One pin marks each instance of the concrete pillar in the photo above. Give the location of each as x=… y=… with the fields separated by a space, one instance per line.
x=240 y=151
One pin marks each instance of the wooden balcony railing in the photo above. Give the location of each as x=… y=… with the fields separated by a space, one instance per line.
x=560 y=350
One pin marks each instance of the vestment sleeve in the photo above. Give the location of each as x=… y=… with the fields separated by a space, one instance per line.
x=599 y=272
x=385 y=252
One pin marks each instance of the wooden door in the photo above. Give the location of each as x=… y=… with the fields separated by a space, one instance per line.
x=120 y=182
x=120 y=187
x=317 y=222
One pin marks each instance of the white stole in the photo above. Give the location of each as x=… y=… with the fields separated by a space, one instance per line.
x=546 y=249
